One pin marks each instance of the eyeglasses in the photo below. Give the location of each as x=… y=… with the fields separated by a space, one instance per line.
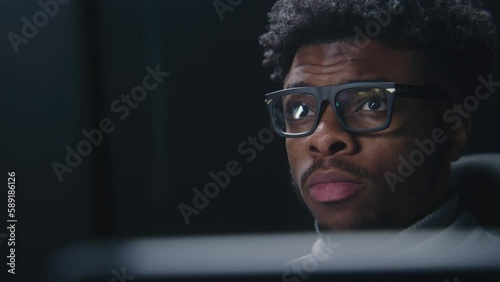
x=361 y=107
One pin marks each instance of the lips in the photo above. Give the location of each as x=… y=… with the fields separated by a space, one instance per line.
x=331 y=186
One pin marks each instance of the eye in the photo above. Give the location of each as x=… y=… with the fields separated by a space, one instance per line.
x=374 y=104
x=299 y=110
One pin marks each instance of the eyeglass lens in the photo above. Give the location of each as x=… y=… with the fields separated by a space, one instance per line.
x=359 y=108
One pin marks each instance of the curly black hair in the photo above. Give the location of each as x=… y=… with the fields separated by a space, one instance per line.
x=458 y=32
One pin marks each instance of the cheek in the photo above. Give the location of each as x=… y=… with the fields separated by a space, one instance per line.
x=297 y=156
x=378 y=155
x=400 y=140
x=384 y=154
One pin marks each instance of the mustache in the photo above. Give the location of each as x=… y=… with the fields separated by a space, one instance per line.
x=322 y=164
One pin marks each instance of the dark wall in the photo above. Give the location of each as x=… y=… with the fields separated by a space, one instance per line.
x=201 y=118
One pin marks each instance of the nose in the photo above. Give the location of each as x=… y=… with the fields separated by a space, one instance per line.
x=330 y=137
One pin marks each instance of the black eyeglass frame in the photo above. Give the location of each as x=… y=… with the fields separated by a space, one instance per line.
x=329 y=93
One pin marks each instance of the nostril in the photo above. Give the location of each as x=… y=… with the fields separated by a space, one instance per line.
x=337 y=146
x=313 y=149
x=334 y=148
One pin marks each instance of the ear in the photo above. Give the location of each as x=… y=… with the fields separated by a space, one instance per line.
x=458 y=139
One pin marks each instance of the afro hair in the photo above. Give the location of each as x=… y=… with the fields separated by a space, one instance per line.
x=458 y=32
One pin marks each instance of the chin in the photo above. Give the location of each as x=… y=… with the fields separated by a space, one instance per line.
x=340 y=221
x=339 y=226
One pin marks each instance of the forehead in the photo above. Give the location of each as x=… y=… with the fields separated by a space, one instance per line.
x=343 y=61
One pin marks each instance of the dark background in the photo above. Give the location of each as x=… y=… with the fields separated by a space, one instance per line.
x=65 y=79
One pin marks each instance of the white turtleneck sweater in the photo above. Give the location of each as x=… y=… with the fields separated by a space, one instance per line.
x=442 y=224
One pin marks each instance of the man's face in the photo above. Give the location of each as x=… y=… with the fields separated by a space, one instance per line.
x=340 y=175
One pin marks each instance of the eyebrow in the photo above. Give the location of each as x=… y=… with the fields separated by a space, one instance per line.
x=305 y=84
x=298 y=84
